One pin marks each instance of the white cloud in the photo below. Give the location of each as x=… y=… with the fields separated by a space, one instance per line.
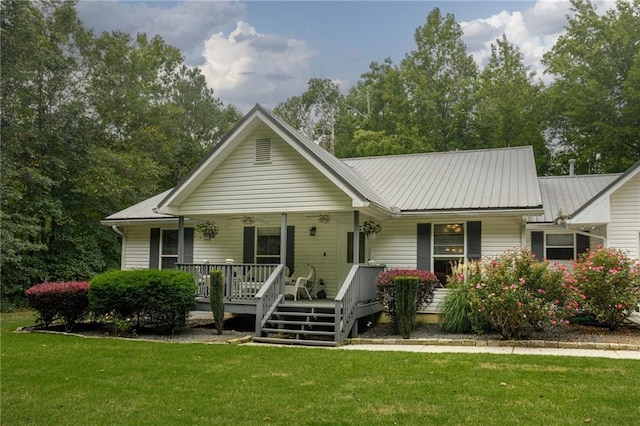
x=246 y=66
x=184 y=25
x=534 y=31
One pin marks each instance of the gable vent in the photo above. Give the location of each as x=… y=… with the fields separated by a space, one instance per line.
x=263 y=151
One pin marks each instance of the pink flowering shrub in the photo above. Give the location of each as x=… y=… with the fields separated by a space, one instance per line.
x=609 y=285
x=515 y=295
x=386 y=290
x=67 y=301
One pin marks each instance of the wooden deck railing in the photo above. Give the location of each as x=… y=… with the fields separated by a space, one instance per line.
x=358 y=287
x=243 y=281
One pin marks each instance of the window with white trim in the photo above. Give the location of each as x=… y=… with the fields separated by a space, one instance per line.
x=169 y=249
x=448 y=248
x=560 y=246
x=268 y=245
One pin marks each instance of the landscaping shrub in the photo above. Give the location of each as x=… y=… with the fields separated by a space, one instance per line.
x=67 y=301
x=385 y=286
x=216 y=299
x=456 y=306
x=406 y=295
x=609 y=284
x=148 y=297
x=515 y=295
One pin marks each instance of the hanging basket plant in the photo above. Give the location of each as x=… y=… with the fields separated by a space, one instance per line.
x=208 y=229
x=370 y=228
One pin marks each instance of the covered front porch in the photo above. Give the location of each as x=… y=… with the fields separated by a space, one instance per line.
x=260 y=290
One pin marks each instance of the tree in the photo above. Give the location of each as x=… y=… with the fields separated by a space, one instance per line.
x=438 y=79
x=595 y=96
x=314 y=112
x=509 y=104
x=90 y=125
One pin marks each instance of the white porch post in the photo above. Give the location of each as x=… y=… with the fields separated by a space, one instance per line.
x=356 y=237
x=283 y=239
x=181 y=239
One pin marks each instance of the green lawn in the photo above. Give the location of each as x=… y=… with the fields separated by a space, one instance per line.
x=49 y=379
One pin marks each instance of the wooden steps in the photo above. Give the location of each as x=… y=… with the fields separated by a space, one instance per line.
x=300 y=323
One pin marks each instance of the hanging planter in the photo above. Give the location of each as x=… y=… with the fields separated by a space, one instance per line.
x=208 y=229
x=370 y=228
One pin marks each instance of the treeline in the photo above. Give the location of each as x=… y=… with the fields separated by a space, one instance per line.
x=438 y=99
x=91 y=124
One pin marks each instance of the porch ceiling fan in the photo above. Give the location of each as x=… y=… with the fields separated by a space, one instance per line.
x=246 y=220
x=322 y=217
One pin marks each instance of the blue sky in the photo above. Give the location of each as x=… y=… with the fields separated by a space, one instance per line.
x=266 y=51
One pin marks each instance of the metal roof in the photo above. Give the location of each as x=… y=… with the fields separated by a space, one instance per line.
x=567 y=194
x=142 y=210
x=461 y=180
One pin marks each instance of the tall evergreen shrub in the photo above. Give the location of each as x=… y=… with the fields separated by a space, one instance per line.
x=406 y=293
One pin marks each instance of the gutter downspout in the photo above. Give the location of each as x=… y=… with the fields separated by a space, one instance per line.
x=117 y=230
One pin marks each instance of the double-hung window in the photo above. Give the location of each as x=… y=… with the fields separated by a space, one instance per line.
x=169 y=249
x=268 y=245
x=448 y=248
x=560 y=246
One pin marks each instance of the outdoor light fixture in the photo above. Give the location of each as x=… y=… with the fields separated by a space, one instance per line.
x=312 y=231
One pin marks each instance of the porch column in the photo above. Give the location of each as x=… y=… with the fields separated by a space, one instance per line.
x=181 y=239
x=283 y=239
x=356 y=237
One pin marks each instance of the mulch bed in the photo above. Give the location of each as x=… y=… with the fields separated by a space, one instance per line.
x=572 y=333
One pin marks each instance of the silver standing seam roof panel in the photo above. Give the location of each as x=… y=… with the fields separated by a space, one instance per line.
x=461 y=180
x=566 y=194
x=142 y=210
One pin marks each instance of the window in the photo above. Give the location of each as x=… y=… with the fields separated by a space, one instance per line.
x=448 y=248
x=361 y=247
x=263 y=150
x=169 y=249
x=560 y=246
x=268 y=246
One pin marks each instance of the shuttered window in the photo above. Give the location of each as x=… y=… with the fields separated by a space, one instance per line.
x=263 y=150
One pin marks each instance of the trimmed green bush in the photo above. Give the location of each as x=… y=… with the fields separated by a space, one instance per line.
x=147 y=296
x=406 y=294
x=216 y=299
x=385 y=286
x=67 y=301
x=609 y=285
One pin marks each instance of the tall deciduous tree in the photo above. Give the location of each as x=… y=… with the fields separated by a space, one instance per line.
x=315 y=112
x=596 y=64
x=438 y=78
x=509 y=104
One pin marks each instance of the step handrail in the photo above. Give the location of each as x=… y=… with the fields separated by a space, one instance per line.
x=268 y=297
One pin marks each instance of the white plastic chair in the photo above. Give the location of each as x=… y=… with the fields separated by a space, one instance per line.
x=300 y=280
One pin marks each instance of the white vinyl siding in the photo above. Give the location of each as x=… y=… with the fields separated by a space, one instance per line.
x=135 y=253
x=287 y=183
x=623 y=230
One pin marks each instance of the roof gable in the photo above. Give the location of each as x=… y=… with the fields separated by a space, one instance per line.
x=566 y=194
x=587 y=210
x=338 y=173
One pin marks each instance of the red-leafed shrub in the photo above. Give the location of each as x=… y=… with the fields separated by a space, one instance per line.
x=385 y=285
x=67 y=301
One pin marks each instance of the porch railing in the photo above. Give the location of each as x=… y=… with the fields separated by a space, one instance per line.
x=358 y=287
x=269 y=296
x=243 y=281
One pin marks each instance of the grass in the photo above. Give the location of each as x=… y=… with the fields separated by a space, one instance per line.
x=52 y=379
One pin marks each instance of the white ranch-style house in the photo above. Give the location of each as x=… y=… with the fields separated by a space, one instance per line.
x=284 y=205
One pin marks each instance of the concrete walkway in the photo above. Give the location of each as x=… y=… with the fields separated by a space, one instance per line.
x=500 y=350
